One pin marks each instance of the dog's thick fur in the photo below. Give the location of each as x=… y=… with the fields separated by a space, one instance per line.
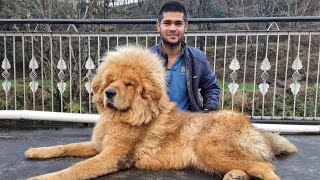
x=140 y=128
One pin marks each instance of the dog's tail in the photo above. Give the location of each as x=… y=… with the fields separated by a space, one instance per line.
x=279 y=145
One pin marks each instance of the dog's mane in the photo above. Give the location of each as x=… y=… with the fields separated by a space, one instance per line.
x=147 y=68
x=149 y=62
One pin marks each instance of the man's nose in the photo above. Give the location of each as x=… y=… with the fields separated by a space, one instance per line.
x=172 y=27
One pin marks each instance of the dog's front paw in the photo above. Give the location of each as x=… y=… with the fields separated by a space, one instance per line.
x=43 y=177
x=38 y=178
x=37 y=153
x=236 y=175
x=32 y=153
x=59 y=175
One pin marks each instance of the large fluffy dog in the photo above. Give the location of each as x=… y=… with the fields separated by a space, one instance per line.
x=139 y=127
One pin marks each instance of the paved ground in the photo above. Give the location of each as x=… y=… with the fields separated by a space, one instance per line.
x=305 y=165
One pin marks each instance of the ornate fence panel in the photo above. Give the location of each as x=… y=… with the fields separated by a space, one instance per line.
x=265 y=74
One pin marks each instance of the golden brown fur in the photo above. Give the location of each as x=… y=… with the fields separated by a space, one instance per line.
x=139 y=127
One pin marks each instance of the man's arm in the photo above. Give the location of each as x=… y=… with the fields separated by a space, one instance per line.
x=210 y=90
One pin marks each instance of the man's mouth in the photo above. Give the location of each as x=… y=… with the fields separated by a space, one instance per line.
x=172 y=35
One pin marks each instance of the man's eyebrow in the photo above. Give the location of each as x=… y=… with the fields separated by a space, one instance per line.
x=177 y=21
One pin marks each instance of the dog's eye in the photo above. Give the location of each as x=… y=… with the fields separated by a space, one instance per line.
x=129 y=84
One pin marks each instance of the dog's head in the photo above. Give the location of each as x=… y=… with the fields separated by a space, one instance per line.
x=131 y=81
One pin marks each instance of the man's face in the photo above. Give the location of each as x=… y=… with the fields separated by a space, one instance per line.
x=172 y=28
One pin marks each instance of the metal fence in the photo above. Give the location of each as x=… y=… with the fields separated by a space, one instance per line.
x=268 y=74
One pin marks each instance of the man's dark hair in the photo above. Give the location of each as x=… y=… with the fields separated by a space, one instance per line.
x=172 y=6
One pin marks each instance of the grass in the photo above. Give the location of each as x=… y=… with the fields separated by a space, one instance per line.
x=46 y=83
x=249 y=87
x=21 y=82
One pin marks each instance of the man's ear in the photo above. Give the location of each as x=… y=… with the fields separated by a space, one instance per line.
x=187 y=26
x=158 y=25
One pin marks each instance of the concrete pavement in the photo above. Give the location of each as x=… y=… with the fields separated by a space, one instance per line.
x=304 y=165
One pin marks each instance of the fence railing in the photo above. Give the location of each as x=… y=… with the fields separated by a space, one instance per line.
x=270 y=74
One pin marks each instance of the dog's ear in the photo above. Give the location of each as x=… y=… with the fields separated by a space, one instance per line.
x=97 y=88
x=156 y=97
x=146 y=106
x=153 y=95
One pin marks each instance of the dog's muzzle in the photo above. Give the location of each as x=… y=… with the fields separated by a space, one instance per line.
x=110 y=93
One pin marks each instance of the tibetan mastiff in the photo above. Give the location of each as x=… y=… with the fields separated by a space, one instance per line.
x=139 y=127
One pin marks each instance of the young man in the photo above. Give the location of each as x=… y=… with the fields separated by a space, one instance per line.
x=188 y=68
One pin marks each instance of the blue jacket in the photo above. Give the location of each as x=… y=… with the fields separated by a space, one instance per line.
x=199 y=76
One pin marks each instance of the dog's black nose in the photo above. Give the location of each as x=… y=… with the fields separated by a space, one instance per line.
x=110 y=93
